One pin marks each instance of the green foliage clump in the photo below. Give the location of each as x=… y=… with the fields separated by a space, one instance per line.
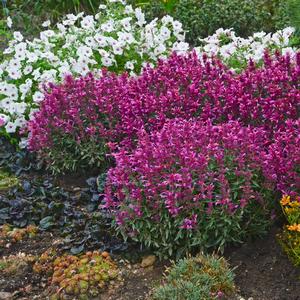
x=74 y=213
x=27 y=15
x=7 y=181
x=288 y=14
x=201 y=18
x=204 y=277
x=71 y=156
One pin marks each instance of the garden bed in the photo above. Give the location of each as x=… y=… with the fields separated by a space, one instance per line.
x=150 y=150
x=262 y=272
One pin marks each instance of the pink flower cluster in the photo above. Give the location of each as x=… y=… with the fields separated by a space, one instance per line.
x=282 y=163
x=188 y=168
x=80 y=108
x=118 y=107
x=115 y=108
x=266 y=96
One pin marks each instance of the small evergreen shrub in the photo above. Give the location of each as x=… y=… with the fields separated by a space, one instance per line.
x=205 y=277
x=201 y=18
x=289 y=14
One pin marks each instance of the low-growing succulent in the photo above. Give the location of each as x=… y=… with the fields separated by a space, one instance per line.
x=15 y=263
x=11 y=234
x=44 y=263
x=82 y=276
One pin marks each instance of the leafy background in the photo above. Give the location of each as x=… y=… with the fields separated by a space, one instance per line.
x=199 y=18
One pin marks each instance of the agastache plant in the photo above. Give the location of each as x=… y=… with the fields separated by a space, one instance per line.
x=282 y=164
x=183 y=182
x=112 y=109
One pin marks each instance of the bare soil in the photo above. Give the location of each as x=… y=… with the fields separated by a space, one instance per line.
x=263 y=272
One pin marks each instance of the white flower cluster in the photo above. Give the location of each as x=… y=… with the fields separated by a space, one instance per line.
x=118 y=38
x=236 y=51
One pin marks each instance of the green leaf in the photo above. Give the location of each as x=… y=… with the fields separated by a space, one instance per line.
x=46 y=223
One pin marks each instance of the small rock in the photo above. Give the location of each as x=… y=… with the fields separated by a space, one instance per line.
x=5 y=296
x=28 y=288
x=148 y=261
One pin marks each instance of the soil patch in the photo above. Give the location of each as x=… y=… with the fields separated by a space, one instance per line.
x=23 y=283
x=263 y=270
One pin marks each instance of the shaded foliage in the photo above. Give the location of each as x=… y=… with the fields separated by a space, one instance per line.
x=75 y=214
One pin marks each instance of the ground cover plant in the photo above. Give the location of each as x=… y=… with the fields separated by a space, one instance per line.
x=73 y=213
x=14 y=160
x=204 y=277
x=81 y=276
x=186 y=147
x=7 y=181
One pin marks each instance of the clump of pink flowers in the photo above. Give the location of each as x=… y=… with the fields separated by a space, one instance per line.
x=193 y=143
x=282 y=163
x=187 y=173
x=266 y=96
x=182 y=86
x=82 y=109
